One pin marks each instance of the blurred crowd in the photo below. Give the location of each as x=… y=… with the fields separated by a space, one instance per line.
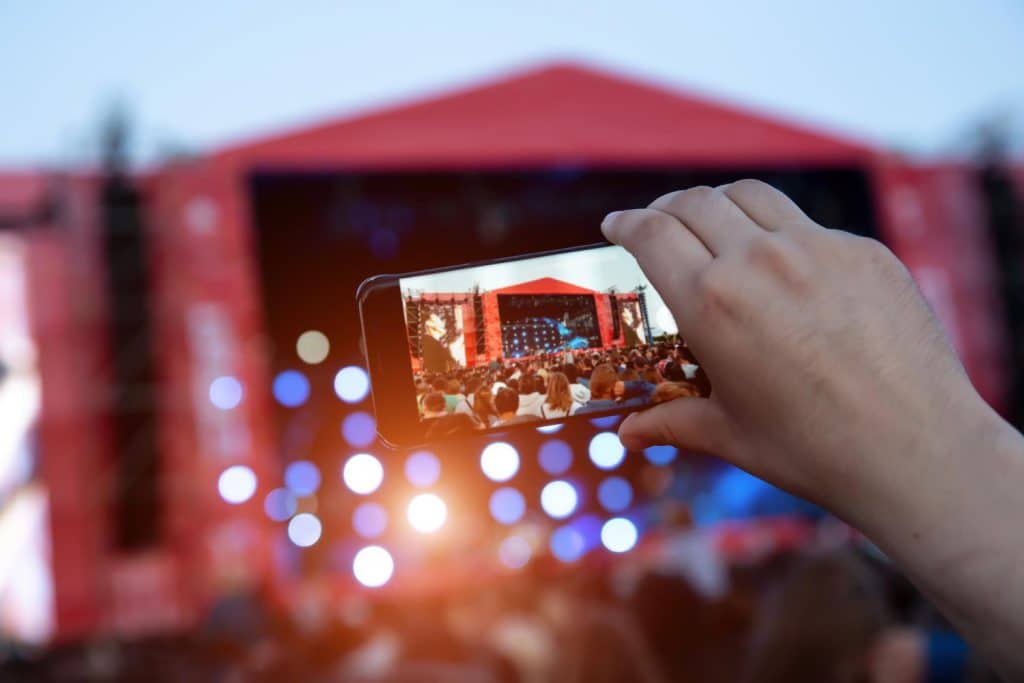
x=557 y=385
x=827 y=612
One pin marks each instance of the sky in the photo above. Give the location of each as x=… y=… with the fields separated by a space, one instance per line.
x=914 y=75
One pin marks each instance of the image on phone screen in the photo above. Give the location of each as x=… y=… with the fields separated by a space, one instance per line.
x=538 y=339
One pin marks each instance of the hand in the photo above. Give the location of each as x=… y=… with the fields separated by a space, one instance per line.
x=857 y=357
x=864 y=407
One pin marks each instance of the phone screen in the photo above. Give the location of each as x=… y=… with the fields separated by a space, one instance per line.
x=541 y=338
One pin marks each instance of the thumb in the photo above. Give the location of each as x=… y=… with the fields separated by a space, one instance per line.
x=695 y=424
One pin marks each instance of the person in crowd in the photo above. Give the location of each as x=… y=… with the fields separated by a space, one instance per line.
x=580 y=392
x=434 y=405
x=530 y=398
x=608 y=392
x=455 y=400
x=559 y=401
x=506 y=403
x=483 y=407
x=651 y=375
x=670 y=391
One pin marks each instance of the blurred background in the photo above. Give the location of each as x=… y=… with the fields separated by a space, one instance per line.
x=190 y=482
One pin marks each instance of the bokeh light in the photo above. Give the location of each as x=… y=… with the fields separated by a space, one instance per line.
x=373 y=566
x=606 y=422
x=615 y=494
x=370 y=520
x=507 y=505
x=422 y=469
x=499 y=461
x=312 y=347
x=304 y=530
x=226 y=392
x=619 y=535
x=551 y=429
x=351 y=384
x=362 y=473
x=236 y=484
x=660 y=455
x=606 y=451
x=559 y=499
x=302 y=477
x=359 y=429
x=427 y=513
x=514 y=552
x=555 y=456
x=280 y=504
x=567 y=544
x=291 y=388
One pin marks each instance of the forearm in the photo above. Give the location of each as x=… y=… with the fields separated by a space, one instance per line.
x=950 y=513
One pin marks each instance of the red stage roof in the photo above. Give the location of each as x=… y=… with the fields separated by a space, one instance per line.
x=21 y=192
x=556 y=115
x=544 y=285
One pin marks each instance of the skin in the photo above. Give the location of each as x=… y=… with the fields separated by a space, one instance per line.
x=865 y=408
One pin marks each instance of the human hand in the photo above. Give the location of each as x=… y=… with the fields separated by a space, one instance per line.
x=860 y=369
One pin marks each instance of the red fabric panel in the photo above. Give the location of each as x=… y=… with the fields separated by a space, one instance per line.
x=544 y=285
x=604 y=318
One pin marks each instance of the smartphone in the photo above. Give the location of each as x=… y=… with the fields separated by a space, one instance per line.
x=518 y=343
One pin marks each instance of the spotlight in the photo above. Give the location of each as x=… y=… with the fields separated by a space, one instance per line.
x=351 y=384
x=559 y=499
x=427 y=513
x=373 y=566
x=499 y=461
x=363 y=473
x=619 y=535
x=304 y=529
x=606 y=451
x=236 y=484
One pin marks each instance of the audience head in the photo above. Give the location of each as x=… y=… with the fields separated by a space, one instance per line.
x=434 y=405
x=602 y=381
x=506 y=403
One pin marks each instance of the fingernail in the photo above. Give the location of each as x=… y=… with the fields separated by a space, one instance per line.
x=608 y=220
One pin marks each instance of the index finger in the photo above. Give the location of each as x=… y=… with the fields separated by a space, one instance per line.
x=668 y=253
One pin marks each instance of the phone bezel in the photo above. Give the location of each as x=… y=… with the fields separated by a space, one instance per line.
x=384 y=338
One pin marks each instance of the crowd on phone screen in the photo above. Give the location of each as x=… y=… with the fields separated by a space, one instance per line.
x=557 y=385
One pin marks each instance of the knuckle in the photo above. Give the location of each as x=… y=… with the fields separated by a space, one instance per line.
x=698 y=197
x=649 y=225
x=714 y=290
x=780 y=256
x=749 y=185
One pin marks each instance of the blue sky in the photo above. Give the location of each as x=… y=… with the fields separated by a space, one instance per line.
x=912 y=75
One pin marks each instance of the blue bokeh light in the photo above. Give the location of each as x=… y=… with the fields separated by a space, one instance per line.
x=280 y=504
x=661 y=455
x=555 y=456
x=291 y=388
x=551 y=429
x=606 y=422
x=302 y=478
x=567 y=544
x=359 y=429
x=507 y=505
x=422 y=469
x=370 y=520
x=304 y=530
x=615 y=494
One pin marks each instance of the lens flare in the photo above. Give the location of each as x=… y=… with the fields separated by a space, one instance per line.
x=499 y=461
x=226 y=392
x=351 y=384
x=304 y=530
x=619 y=535
x=507 y=505
x=427 y=513
x=312 y=347
x=606 y=451
x=559 y=499
x=237 y=484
